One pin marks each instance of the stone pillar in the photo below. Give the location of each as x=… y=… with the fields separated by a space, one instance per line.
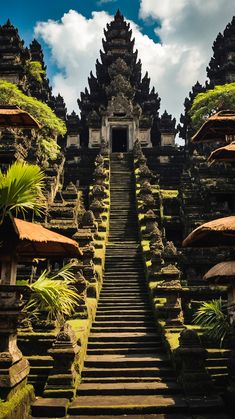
x=192 y=372
x=63 y=380
x=14 y=368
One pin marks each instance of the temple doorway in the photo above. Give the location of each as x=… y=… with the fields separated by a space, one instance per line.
x=119 y=140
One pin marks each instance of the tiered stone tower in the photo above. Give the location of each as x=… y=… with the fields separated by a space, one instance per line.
x=119 y=106
x=221 y=68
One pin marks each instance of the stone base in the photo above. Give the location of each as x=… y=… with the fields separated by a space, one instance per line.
x=50 y=408
x=12 y=376
x=18 y=406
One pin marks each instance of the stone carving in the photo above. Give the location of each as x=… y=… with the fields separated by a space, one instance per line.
x=99 y=192
x=120 y=84
x=99 y=160
x=65 y=353
x=97 y=208
x=104 y=148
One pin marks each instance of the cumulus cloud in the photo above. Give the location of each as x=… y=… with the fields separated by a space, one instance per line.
x=187 y=31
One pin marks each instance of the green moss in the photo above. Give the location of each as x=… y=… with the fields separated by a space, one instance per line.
x=50 y=148
x=35 y=70
x=172 y=339
x=10 y=94
x=169 y=194
x=19 y=404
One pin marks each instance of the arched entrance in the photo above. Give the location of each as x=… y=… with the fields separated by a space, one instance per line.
x=119 y=140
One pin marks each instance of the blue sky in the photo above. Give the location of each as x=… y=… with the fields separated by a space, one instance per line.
x=70 y=32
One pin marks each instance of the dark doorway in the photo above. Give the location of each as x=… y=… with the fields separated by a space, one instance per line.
x=119 y=140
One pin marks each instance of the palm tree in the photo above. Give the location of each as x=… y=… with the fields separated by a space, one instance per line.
x=21 y=190
x=54 y=295
x=212 y=317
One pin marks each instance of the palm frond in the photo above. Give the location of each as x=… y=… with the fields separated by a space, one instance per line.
x=21 y=189
x=212 y=317
x=57 y=297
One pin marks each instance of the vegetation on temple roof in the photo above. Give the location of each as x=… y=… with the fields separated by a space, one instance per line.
x=35 y=70
x=213 y=100
x=10 y=94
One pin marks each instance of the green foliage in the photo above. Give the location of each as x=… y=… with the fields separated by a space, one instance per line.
x=212 y=318
x=213 y=100
x=54 y=294
x=50 y=148
x=35 y=70
x=10 y=94
x=21 y=189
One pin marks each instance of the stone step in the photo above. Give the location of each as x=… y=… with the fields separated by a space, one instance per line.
x=128 y=372
x=123 y=361
x=126 y=323
x=123 y=329
x=126 y=351
x=107 y=305
x=126 y=404
x=123 y=336
x=127 y=344
x=128 y=388
x=123 y=313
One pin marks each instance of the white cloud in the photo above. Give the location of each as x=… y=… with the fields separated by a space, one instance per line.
x=188 y=29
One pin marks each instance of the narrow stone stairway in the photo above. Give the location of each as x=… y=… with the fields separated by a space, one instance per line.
x=126 y=370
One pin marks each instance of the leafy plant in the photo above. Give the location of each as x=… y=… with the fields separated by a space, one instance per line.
x=35 y=70
x=50 y=148
x=10 y=94
x=212 y=318
x=21 y=190
x=213 y=100
x=54 y=294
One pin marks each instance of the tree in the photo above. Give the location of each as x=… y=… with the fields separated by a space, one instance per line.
x=212 y=317
x=53 y=294
x=21 y=190
x=212 y=101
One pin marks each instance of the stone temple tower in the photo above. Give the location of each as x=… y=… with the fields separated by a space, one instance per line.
x=119 y=106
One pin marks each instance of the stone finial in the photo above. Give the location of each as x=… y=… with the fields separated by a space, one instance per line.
x=148 y=202
x=104 y=147
x=99 y=160
x=145 y=188
x=156 y=239
x=137 y=150
x=99 y=192
x=88 y=219
x=99 y=175
x=170 y=252
x=88 y=254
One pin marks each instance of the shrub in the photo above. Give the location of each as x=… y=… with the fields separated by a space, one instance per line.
x=213 y=100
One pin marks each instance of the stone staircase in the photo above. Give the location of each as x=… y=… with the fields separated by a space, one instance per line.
x=126 y=371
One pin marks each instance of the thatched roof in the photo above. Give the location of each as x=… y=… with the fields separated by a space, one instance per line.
x=14 y=117
x=219 y=232
x=34 y=241
x=216 y=127
x=221 y=273
x=224 y=154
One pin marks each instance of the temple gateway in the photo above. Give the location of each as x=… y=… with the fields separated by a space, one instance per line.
x=127 y=245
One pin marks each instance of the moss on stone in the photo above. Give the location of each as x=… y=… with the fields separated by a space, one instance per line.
x=19 y=404
x=169 y=193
